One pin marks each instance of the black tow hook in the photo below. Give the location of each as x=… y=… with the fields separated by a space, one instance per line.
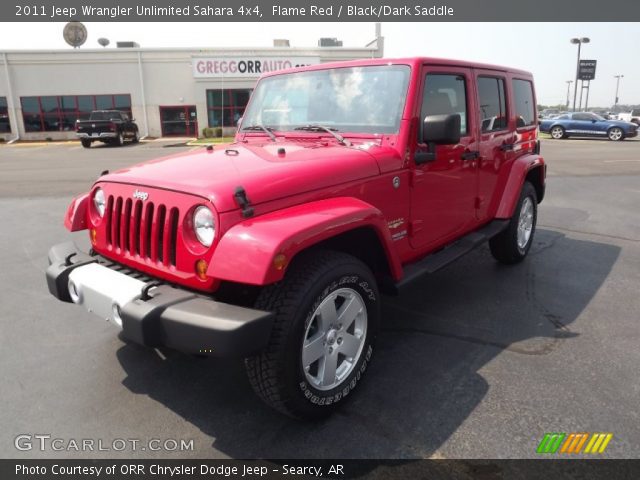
x=144 y=293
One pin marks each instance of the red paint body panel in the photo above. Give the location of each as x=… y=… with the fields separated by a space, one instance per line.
x=513 y=181
x=307 y=165
x=245 y=254
x=315 y=189
x=76 y=216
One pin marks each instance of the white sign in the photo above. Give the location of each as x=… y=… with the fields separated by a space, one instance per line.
x=216 y=67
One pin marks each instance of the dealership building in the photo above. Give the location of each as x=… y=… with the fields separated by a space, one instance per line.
x=168 y=91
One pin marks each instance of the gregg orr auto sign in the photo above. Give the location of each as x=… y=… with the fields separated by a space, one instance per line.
x=213 y=67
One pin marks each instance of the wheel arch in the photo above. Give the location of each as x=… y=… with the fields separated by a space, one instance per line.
x=530 y=168
x=246 y=253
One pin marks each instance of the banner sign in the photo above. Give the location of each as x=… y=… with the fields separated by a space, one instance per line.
x=216 y=67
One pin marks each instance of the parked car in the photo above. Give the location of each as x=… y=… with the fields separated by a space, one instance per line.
x=549 y=113
x=107 y=126
x=345 y=180
x=585 y=124
x=632 y=116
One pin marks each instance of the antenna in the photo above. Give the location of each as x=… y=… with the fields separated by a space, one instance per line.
x=103 y=41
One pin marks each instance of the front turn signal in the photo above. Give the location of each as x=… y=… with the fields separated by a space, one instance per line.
x=201 y=269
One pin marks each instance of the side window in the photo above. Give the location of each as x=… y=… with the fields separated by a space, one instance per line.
x=445 y=94
x=581 y=116
x=493 y=106
x=524 y=107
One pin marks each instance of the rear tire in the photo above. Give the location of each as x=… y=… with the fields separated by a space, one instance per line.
x=513 y=243
x=86 y=143
x=119 y=141
x=136 y=137
x=557 y=132
x=327 y=311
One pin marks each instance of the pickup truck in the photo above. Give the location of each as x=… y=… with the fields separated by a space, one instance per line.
x=107 y=126
x=633 y=116
x=345 y=181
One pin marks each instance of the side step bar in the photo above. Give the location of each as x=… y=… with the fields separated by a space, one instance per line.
x=435 y=261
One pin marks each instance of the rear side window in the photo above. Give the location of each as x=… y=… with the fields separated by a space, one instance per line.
x=445 y=94
x=493 y=106
x=523 y=98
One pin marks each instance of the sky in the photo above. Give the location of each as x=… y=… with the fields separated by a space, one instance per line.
x=541 y=48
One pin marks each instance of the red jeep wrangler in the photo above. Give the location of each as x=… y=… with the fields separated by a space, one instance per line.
x=345 y=180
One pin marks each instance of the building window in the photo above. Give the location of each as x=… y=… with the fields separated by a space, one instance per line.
x=5 y=126
x=59 y=113
x=523 y=98
x=225 y=107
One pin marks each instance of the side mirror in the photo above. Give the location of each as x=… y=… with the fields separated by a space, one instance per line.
x=441 y=129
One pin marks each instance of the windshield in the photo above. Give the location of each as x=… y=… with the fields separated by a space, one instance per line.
x=105 y=115
x=358 y=99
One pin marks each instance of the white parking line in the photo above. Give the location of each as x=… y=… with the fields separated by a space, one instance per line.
x=620 y=161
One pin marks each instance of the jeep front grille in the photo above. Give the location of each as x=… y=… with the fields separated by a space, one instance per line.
x=142 y=229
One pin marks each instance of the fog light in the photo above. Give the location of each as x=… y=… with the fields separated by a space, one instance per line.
x=93 y=233
x=280 y=261
x=74 y=293
x=201 y=269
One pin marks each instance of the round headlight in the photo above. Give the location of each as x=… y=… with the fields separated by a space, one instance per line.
x=99 y=202
x=204 y=225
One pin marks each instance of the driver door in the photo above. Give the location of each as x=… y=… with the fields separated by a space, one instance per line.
x=443 y=197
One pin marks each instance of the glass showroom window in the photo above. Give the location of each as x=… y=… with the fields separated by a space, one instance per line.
x=59 y=113
x=5 y=126
x=225 y=107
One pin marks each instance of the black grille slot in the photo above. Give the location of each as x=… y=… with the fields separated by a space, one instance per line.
x=173 y=233
x=117 y=221
x=147 y=233
x=162 y=211
x=126 y=223
x=109 y=220
x=137 y=220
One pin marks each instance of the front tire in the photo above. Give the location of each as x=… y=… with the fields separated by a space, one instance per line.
x=615 y=134
x=513 y=243
x=136 y=137
x=327 y=311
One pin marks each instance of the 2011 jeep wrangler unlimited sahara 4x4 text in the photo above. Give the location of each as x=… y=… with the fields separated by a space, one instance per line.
x=345 y=180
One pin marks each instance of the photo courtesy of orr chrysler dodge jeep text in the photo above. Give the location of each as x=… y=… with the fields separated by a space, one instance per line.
x=345 y=181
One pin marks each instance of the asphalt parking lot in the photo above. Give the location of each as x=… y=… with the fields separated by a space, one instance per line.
x=477 y=361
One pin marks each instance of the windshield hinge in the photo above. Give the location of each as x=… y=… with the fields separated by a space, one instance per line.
x=243 y=202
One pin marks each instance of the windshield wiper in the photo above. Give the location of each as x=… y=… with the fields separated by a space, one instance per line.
x=315 y=128
x=266 y=130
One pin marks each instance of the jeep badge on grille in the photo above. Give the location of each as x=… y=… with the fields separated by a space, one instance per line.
x=140 y=195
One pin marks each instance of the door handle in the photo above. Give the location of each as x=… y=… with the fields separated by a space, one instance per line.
x=470 y=155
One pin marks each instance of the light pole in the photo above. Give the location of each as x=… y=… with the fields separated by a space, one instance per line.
x=569 y=82
x=617 y=77
x=578 y=41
